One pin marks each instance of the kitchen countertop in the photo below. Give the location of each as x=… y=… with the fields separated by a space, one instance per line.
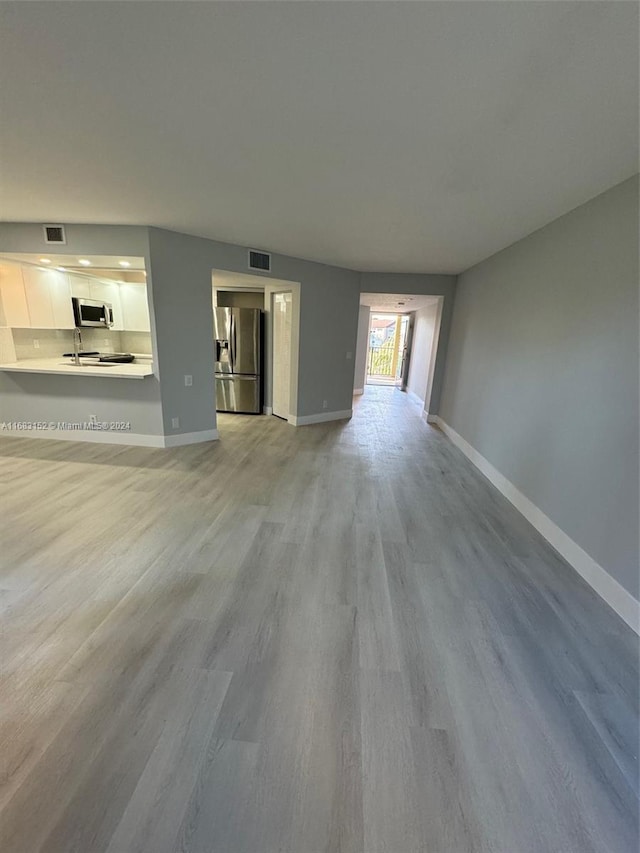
x=65 y=367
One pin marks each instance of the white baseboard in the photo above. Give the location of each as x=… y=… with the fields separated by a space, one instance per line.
x=358 y=391
x=95 y=436
x=431 y=419
x=607 y=587
x=133 y=439
x=305 y=420
x=190 y=438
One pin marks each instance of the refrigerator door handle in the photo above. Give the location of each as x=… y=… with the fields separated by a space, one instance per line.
x=232 y=342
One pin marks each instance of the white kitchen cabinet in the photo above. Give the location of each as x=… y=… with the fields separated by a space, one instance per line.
x=60 y=292
x=15 y=312
x=36 y=288
x=48 y=295
x=79 y=286
x=108 y=291
x=135 y=308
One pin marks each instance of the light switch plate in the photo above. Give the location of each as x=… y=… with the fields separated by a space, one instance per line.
x=188 y=380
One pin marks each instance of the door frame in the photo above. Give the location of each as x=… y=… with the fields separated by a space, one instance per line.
x=268 y=286
x=274 y=295
x=406 y=357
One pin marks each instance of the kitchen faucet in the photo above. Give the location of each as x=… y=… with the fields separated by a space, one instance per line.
x=77 y=345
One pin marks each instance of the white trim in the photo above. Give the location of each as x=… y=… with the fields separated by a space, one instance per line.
x=190 y=438
x=133 y=439
x=304 y=420
x=431 y=419
x=267 y=410
x=616 y=596
x=358 y=391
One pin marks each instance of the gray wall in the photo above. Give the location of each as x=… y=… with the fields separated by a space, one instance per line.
x=329 y=306
x=48 y=397
x=429 y=285
x=542 y=373
x=182 y=322
x=88 y=239
x=424 y=327
x=329 y=301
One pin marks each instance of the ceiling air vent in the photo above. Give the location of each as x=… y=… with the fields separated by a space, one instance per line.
x=54 y=234
x=259 y=261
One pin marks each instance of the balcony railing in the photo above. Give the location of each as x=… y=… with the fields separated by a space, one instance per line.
x=380 y=360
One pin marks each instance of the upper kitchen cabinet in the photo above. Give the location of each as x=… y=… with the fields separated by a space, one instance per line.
x=38 y=298
x=79 y=286
x=135 y=308
x=48 y=295
x=14 y=310
x=60 y=292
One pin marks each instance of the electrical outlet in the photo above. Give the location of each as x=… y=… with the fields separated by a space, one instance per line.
x=324 y=404
x=188 y=380
x=349 y=356
x=175 y=423
x=106 y=342
x=36 y=344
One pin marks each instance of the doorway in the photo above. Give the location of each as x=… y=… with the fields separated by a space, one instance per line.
x=388 y=349
x=397 y=343
x=278 y=364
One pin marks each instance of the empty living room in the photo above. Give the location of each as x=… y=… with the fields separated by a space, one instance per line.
x=319 y=426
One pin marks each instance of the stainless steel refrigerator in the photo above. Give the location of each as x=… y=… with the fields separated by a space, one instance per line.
x=238 y=344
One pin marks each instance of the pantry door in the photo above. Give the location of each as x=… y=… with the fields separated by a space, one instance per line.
x=282 y=326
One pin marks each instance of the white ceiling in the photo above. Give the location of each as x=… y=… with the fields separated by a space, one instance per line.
x=396 y=303
x=379 y=136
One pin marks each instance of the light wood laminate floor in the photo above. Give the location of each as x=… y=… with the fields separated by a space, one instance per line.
x=332 y=639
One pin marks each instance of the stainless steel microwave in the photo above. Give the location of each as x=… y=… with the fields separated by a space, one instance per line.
x=91 y=312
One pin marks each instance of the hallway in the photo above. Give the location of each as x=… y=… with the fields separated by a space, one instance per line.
x=338 y=638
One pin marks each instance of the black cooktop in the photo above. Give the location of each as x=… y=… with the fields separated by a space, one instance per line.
x=117 y=357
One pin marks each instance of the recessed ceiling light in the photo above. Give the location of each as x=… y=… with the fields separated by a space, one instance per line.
x=62 y=269
x=124 y=263
x=84 y=262
x=45 y=260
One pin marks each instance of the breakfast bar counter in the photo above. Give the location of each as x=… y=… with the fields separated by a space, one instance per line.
x=66 y=367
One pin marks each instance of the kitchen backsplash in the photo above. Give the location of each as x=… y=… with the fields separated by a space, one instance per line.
x=139 y=342
x=7 y=349
x=54 y=342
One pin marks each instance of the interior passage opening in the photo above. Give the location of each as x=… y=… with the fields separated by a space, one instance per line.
x=387 y=349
